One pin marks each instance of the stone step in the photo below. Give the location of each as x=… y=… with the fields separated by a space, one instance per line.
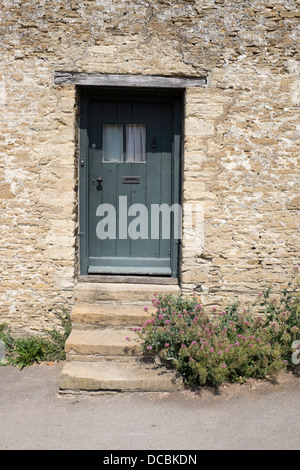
x=101 y=315
x=89 y=292
x=115 y=376
x=99 y=343
x=99 y=357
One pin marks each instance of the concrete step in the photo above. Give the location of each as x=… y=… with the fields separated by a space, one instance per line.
x=99 y=343
x=90 y=292
x=85 y=315
x=115 y=376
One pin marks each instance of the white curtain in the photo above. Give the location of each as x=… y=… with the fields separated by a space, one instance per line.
x=135 y=142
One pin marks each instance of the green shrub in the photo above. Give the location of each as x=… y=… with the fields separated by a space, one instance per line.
x=55 y=347
x=6 y=337
x=231 y=345
x=282 y=315
x=23 y=352
x=27 y=351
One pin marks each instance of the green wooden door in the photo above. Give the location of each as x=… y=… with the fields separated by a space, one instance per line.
x=130 y=192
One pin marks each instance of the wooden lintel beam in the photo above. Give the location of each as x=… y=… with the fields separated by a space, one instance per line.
x=148 y=81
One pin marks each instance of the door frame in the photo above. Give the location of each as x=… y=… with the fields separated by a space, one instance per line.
x=174 y=96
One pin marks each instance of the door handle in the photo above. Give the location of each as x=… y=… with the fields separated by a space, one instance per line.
x=99 y=179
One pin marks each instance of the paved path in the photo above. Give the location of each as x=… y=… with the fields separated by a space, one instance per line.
x=255 y=416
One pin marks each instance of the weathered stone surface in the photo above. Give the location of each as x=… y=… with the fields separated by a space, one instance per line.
x=102 y=315
x=103 y=342
x=112 y=376
x=240 y=144
x=121 y=293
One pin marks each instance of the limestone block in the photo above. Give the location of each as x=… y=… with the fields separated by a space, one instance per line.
x=195 y=126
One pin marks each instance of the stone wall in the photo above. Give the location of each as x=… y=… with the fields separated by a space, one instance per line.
x=241 y=137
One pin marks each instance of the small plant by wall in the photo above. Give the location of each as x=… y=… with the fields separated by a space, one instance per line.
x=23 y=352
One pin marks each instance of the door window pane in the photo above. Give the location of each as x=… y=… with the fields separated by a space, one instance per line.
x=112 y=142
x=135 y=142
